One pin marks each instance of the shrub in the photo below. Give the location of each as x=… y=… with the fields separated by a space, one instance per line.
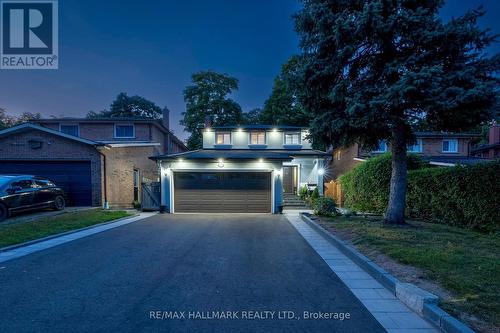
x=325 y=206
x=465 y=196
x=314 y=196
x=366 y=187
x=303 y=192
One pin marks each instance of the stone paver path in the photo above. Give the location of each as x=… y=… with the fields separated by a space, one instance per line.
x=392 y=314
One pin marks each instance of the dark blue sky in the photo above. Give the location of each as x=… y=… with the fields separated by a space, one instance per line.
x=151 y=48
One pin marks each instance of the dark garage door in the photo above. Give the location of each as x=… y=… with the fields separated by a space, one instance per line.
x=222 y=192
x=73 y=177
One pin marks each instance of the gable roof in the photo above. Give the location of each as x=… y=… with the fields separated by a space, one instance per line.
x=29 y=126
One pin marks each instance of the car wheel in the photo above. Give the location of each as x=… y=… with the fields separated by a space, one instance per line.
x=4 y=213
x=59 y=203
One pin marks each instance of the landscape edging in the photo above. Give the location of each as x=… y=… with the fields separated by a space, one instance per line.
x=417 y=299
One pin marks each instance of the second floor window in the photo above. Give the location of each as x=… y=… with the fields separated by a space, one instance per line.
x=124 y=131
x=415 y=148
x=450 y=146
x=381 y=148
x=257 y=138
x=223 y=138
x=292 y=138
x=70 y=129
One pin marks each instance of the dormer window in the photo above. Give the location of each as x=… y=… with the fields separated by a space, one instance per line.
x=223 y=138
x=292 y=138
x=124 y=131
x=258 y=138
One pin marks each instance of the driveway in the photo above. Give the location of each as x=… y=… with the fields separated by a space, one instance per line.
x=191 y=264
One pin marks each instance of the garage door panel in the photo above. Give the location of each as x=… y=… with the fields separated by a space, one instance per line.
x=74 y=177
x=238 y=192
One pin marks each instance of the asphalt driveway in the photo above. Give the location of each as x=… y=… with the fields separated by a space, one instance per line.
x=147 y=275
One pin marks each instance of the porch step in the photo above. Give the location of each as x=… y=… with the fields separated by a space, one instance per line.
x=294 y=202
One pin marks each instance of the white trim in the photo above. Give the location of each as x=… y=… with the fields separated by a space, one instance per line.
x=120 y=145
x=70 y=124
x=449 y=151
x=173 y=170
x=442 y=164
x=359 y=159
x=124 y=137
x=223 y=144
x=299 y=167
x=292 y=132
x=48 y=130
x=249 y=138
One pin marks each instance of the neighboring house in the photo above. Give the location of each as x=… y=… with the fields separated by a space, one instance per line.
x=98 y=162
x=442 y=149
x=240 y=169
x=492 y=149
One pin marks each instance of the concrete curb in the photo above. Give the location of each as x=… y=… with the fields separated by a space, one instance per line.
x=34 y=241
x=419 y=300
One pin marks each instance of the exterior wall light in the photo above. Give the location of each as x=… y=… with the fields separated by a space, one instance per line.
x=261 y=160
x=220 y=163
x=321 y=171
x=240 y=130
x=275 y=130
x=207 y=129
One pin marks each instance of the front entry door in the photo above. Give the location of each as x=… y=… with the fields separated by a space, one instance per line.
x=289 y=179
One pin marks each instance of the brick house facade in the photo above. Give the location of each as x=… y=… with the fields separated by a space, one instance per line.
x=437 y=148
x=113 y=164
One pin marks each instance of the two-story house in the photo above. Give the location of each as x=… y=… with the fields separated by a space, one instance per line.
x=441 y=149
x=244 y=169
x=98 y=162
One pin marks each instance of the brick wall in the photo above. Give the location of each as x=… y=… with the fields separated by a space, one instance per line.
x=342 y=161
x=120 y=165
x=16 y=147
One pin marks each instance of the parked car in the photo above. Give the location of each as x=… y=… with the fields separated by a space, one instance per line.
x=23 y=192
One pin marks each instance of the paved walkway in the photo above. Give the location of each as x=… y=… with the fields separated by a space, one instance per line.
x=392 y=314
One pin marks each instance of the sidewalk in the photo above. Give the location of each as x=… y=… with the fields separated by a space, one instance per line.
x=392 y=314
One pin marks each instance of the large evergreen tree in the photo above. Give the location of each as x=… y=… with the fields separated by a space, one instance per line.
x=283 y=107
x=207 y=100
x=376 y=68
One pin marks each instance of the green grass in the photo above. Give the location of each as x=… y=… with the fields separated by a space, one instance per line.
x=464 y=262
x=23 y=232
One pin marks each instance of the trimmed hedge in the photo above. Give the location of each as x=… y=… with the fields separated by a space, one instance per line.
x=366 y=187
x=464 y=196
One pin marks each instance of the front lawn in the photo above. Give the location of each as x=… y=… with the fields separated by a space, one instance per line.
x=464 y=262
x=23 y=232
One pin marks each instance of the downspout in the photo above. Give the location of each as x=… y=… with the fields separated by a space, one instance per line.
x=106 y=204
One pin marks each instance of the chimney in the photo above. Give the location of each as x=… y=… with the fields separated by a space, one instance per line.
x=166 y=118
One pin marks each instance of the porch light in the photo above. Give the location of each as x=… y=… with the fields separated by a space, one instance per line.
x=261 y=160
x=220 y=163
x=180 y=160
x=321 y=171
x=240 y=130
x=275 y=130
x=207 y=129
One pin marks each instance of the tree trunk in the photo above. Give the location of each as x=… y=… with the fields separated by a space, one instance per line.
x=395 y=213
